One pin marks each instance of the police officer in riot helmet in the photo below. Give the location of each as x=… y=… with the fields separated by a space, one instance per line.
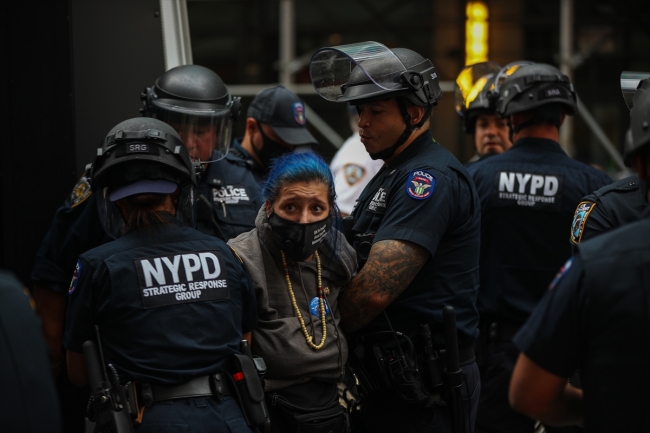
x=416 y=232
x=475 y=103
x=196 y=102
x=528 y=196
x=158 y=272
x=594 y=318
x=616 y=204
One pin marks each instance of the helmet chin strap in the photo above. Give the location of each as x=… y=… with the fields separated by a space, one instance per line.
x=513 y=130
x=388 y=152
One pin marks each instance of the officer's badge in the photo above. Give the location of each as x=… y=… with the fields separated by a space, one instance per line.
x=81 y=192
x=580 y=220
x=299 y=113
x=420 y=184
x=563 y=270
x=75 y=278
x=353 y=173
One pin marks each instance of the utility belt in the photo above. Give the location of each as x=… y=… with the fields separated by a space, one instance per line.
x=114 y=407
x=212 y=385
x=415 y=371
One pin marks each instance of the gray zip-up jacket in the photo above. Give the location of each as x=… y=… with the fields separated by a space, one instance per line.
x=279 y=338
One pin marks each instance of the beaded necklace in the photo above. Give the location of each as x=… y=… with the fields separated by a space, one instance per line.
x=321 y=302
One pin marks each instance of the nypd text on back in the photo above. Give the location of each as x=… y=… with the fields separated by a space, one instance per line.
x=527 y=189
x=180 y=278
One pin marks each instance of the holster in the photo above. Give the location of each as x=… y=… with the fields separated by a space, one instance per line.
x=242 y=374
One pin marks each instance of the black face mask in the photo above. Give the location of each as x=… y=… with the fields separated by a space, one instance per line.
x=299 y=241
x=270 y=148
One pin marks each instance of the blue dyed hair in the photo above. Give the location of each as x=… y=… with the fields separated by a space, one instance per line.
x=299 y=167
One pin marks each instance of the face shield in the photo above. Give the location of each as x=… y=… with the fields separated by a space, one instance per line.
x=112 y=219
x=376 y=70
x=629 y=83
x=205 y=129
x=473 y=86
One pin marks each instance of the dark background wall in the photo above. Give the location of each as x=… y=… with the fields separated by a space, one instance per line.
x=71 y=70
x=37 y=161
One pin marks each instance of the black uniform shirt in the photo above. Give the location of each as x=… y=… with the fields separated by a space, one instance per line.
x=171 y=304
x=426 y=197
x=528 y=195
x=609 y=207
x=232 y=189
x=594 y=317
x=76 y=228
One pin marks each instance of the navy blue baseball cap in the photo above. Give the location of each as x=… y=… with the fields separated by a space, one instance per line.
x=143 y=186
x=284 y=112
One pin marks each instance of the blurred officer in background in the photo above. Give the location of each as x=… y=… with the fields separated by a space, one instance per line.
x=594 y=317
x=171 y=304
x=197 y=102
x=28 y=400
x=417 y=230
x=475 y=102
x=615 y=204
x=528 y=196
x=352 y=167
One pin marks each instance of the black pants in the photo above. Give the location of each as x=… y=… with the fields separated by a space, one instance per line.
x=384 y=412
x=313 y=394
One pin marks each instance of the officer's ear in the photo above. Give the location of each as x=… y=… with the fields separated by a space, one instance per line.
x=251 y=126
x=416 y=112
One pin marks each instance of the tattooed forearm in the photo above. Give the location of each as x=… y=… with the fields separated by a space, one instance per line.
x=390 y=268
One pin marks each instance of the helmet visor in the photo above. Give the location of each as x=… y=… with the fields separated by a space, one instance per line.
x=112 y=218
x=629 y=83
x=470 y=86
x=507 y=71
x=205 y=132
x=330 y=68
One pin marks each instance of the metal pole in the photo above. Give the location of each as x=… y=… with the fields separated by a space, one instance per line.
x=287 y=40
x=566 y=47
x=600 y=134
x=176 y=33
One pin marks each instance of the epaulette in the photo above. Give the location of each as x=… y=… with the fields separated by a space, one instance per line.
x=80 y=192
x=627 y=184
x=235 y=252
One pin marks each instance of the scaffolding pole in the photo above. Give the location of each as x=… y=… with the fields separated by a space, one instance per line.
x=566 y=66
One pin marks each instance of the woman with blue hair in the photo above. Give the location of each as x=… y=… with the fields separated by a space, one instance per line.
x=298 y=262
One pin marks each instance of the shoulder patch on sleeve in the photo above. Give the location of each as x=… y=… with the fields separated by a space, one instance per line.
x=563 y=270
x=353 y=173
x=235 y=252
x=580 y=220
x=80 y=192
x=75 y=278
x=420 y=184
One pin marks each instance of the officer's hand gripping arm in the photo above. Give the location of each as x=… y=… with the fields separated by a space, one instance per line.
x=544 y=396
x=391 y=267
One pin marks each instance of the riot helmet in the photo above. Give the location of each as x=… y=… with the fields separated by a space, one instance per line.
x=534 y=85
x=368 y=71
x=639 y=122
x=474 y=92
x=629 y=83
x=196 y=102
x=140 y=156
